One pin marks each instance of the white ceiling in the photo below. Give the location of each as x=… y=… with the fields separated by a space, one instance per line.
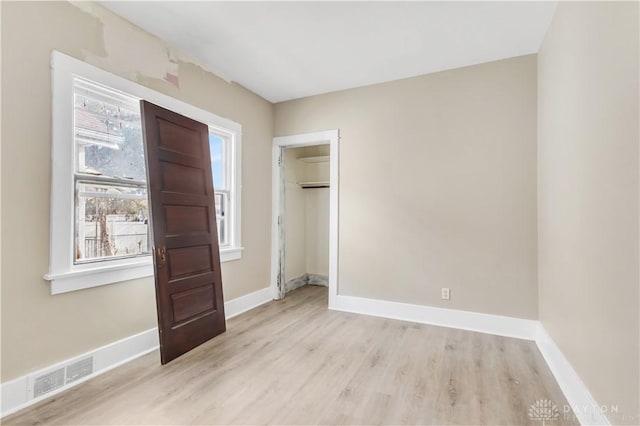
x=288 y=50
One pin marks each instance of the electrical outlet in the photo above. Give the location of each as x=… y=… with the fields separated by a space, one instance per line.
x=445 y=294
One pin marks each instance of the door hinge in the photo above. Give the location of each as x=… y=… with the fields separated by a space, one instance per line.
x=279 y=220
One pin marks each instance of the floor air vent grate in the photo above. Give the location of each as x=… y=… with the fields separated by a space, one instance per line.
x=79 y=369
x=60 y=377
x=48 y=382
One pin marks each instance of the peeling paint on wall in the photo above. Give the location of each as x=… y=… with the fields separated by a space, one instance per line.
x=62 y=326
x=120 y=38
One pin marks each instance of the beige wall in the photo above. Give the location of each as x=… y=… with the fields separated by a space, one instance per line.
x=39 y=329
x=588 y=196
x=437 y=186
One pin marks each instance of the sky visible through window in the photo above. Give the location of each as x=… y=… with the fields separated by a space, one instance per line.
x=215 y=146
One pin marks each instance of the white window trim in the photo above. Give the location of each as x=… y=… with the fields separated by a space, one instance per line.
x=64 y=275
x=230 y=184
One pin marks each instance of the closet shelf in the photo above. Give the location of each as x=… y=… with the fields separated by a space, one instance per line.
x=306 y=185
x=316 y=159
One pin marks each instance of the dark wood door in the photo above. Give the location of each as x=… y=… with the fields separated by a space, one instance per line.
x=185 y=236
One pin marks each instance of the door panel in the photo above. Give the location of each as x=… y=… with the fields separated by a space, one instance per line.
x=189 y=261
x=180 y=139
x=186 y=254
x=187 y=219
x=192 y=303
x=188 y=180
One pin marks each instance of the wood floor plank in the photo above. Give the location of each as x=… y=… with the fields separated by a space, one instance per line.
x=295 y=362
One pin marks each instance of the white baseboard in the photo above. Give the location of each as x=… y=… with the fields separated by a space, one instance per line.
x=586 y=409
x=15 y=394
x=247 y=302
x=18 y=393
x=473 y=321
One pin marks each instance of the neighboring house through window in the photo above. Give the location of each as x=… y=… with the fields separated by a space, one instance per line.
x=111 y=207
x=100 y=230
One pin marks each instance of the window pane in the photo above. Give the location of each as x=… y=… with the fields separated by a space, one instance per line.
x=108 y=133
x=111 y=221
x=216 y=147
x=222 y=200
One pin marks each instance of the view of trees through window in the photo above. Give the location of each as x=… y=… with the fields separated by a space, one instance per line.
x=111 y=199
x=111 y=209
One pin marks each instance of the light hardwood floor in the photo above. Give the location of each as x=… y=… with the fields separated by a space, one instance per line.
x=295 y=362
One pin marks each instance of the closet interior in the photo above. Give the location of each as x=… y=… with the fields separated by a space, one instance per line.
x=306 y=216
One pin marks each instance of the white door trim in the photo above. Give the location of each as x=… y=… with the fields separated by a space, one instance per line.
x=294 y=141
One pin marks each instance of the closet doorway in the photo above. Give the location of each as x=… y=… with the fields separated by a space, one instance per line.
x=305 y=213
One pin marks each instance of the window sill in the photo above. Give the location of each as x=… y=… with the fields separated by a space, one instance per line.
x=230 y=253
x=66 y=282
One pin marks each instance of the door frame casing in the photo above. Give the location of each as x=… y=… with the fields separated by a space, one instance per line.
x=332 y=137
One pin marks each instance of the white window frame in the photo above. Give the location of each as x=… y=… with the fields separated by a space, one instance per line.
x=65 y=276
x=229 y=155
